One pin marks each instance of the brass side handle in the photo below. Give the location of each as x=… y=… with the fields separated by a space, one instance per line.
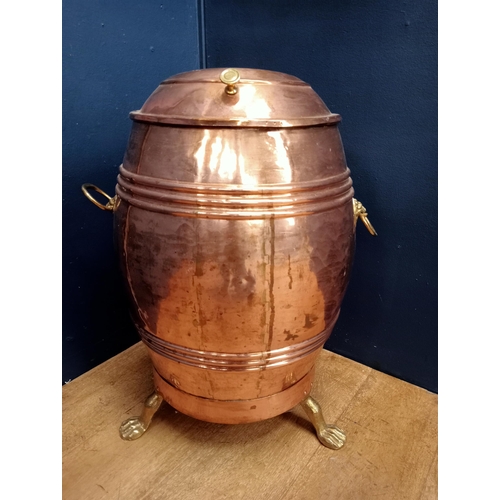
x=230 y=77
x=112 y=203
x=360 y=211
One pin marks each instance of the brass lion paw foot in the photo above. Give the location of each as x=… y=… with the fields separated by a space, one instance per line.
x=135 y=427
x=332 y=437
x=328 y=435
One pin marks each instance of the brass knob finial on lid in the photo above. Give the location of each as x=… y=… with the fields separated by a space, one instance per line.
x=230 y=77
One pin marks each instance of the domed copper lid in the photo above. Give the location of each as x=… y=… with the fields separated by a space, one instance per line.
x=232 y=97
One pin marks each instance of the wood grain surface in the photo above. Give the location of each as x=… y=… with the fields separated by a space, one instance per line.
x=390 y=453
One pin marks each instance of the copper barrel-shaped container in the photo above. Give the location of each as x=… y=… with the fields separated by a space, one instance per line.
x=235 y=226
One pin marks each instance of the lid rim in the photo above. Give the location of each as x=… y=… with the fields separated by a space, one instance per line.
x=331 y=118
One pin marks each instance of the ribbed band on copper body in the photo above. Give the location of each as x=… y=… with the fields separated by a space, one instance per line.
x=228 y=201
x=235 y=361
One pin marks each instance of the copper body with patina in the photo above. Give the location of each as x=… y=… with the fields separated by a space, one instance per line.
x=235 y=231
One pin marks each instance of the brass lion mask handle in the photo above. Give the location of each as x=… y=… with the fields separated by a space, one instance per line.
x=360 y=211
x=112 y=203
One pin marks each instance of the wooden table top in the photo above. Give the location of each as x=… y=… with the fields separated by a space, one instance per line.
x=390 y=452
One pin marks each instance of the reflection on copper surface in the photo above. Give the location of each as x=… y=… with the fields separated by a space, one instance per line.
x=222 y=162
x=281 y=154
x=201 y=154
x=250 y=104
